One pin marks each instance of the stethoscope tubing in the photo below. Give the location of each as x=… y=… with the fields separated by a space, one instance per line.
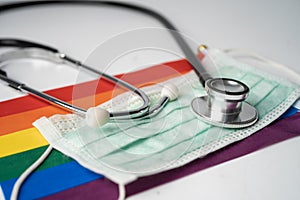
x=63 y=58
x=145 y=110
x=190 y=55
x=141 y=112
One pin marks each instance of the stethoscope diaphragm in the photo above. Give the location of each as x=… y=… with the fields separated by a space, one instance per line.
x=224 y=104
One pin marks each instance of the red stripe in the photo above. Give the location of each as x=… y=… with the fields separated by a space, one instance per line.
x=27 y=103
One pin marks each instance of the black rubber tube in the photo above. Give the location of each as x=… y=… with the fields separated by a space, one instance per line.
x=190 y=56
x=7 y=42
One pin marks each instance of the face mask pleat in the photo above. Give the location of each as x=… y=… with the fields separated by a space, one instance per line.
x=274 y=97
x=140 y=157
x=124 y=137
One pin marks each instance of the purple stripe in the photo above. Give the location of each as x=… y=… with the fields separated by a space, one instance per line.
x=104 y=189
x=98 y=189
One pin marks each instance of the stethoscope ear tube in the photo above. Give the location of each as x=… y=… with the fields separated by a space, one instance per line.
x=36 y=53
x=190 y=56
x=143 y=111
x=9 y=42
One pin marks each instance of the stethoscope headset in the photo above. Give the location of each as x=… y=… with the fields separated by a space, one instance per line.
x=223 y=105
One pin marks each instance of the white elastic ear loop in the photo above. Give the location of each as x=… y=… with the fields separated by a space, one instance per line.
x=37 y=163
x=122 y=192
x=28 y=171
x=247 y=53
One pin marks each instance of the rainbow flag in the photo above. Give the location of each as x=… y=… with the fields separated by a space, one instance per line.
x=60 y=177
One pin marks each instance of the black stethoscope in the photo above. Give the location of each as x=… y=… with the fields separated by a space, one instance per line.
x=223 y=106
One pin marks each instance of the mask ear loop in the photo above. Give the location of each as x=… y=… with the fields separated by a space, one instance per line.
x=122 y=192
x=27 y=172
x=36 y=164
x=251 y=54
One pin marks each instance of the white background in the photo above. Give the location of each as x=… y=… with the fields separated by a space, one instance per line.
x=271 y=28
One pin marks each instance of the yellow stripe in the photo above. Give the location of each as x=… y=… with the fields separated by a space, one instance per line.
x=21 y=141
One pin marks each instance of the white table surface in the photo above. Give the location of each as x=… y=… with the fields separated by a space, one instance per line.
x=271 y=28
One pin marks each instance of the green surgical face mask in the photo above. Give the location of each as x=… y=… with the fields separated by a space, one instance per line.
x=125 y=151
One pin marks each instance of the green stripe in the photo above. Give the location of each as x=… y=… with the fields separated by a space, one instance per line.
x=14 y=165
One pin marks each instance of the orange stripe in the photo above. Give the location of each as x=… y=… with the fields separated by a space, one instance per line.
x=24 y=120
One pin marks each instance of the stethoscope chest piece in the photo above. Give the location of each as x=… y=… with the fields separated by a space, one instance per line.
x=224 y=104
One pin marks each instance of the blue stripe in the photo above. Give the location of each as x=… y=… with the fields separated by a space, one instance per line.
x=51 y=180
x=291 y=111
